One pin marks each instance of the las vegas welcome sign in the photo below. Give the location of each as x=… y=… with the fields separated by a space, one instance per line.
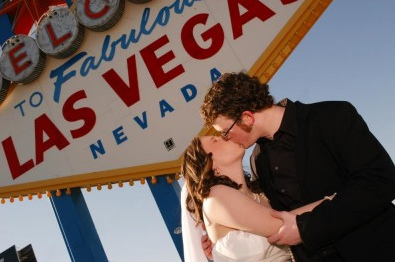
x=109 y=91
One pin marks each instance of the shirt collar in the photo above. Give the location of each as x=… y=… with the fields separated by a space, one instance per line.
x=288 y=123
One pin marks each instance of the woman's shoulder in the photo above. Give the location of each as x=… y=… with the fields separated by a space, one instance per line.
x=221 y=200
x=221 y=196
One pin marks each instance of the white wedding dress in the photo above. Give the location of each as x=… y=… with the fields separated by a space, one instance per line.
x=243 y=246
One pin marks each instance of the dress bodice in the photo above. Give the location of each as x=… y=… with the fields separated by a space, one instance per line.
x=244 y=246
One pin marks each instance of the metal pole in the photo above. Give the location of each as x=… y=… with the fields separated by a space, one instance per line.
x=167 y=197
x=77 y=227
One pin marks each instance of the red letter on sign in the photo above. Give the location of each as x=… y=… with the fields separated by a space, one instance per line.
x=155 y=64
x=56 y=41
x=286 y=2
x=254 y=9
x=86 y=114
x=216 y=34
x=89 y=12
x=56 y=138
x=16 y=59
x=129 y=95
x=16 y=168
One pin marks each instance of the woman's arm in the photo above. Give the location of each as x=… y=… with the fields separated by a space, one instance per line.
x=231 y=208
x=311 y=206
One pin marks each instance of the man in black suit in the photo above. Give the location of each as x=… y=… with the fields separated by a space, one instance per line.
x=304 y=152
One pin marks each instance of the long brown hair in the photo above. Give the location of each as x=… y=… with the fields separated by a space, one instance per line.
x=197 y=169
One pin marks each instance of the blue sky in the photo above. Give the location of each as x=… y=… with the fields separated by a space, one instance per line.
x=348 y=55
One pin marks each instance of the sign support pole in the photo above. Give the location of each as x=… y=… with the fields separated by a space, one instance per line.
x=5 y=29
x=77 y=227
x=167 y=197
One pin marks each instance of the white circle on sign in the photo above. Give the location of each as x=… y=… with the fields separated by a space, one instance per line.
x=177 y=230
x=58 y=32
x=21 y=60
x=99 y=15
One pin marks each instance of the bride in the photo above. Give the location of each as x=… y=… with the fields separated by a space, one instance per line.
x=233 y=208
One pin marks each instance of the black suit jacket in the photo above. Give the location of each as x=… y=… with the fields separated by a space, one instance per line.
x=336 y=153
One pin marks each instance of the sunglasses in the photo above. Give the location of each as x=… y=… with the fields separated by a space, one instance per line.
x=225 y=134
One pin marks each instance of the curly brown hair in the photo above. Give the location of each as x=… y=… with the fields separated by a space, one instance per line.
x=232 y=94
x=197 y=169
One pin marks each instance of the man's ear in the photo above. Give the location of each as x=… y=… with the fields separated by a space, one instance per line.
x=248 y=118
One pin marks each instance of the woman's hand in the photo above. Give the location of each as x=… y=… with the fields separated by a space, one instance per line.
x=206 y=244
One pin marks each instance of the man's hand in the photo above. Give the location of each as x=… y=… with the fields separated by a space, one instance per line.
x=206 y=244
x=288 y=234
